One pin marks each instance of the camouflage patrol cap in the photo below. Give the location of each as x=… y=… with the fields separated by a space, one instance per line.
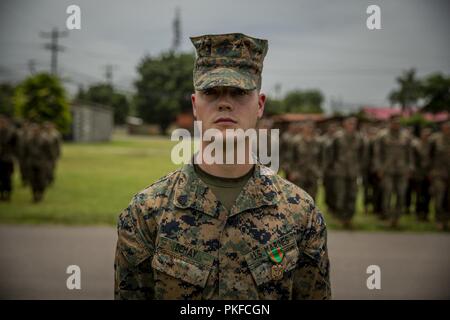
x=229 y=60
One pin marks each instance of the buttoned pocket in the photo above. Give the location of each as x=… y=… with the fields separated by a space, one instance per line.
x=182 y=262
x=263 y=269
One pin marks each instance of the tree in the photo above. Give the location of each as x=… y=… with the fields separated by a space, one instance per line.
x=307 y=101
x=408 y=92
x=436 y=90
x=6 y=99
x=42 y=98
x=273 y=107
x=164 y=87
x=105 y=94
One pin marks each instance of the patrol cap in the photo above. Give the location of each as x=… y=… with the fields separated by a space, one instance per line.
x=229 y=60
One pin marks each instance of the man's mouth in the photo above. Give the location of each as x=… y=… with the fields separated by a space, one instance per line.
x=225 y=120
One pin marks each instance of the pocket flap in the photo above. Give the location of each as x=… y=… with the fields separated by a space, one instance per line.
x=260 y=264
x=182 y=262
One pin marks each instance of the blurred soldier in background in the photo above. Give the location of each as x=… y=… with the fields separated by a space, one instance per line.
x=327 y=166
x=370 y=181
x=393 y=164
x=37 y=150
x=286 y=150
x=347 y=158
x=54 y=137
x=8 y=140
x=420 y=180
x=440 y=174
x=306 y=159
x=22 y=136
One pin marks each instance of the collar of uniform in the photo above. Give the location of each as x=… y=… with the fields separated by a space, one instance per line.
x=192 y=192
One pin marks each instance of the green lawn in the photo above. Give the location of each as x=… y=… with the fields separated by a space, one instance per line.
x=95 y=181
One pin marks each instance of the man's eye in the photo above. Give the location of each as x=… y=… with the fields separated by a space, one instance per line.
x=240 y=92
x=208 y=92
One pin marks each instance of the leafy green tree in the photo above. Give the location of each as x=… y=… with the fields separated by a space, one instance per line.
x=40 y=98
x=409 y=90
x=436 y=90
x=306 y=101
x=6 y=99
x=273 y=107
x=164 y=87
x=105 y=94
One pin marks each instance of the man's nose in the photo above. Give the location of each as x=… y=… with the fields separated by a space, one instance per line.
x=224 y=104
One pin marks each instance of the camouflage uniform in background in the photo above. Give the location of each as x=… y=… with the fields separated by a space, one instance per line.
x=393 y=163
x=440 y=176
x=347 y=158
x=306 y=163
x=327 y=167
x=22 y=137
x=420 y=179
x=55 y=139
x=286 y=152
x=37 y=154
x=8 y=140
x=370 y=179
x=176 y=240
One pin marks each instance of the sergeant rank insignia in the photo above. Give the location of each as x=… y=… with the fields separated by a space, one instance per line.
x=276 y=255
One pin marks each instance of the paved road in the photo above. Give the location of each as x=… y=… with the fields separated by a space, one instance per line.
x=33 y=262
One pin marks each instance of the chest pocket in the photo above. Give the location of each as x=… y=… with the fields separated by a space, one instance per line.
x=263 y=269
x=182 y=262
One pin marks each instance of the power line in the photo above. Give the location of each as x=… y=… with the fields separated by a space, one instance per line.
x=53 y=46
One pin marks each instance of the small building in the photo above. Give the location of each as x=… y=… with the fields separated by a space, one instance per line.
x=91 y=122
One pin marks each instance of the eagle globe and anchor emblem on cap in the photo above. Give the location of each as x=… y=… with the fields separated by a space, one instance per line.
x=276 y=255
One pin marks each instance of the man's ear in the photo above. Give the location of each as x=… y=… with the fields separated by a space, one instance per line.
x=261 y=104
x=194 y=109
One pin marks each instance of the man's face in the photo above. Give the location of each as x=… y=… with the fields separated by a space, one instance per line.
x=395 y=124
x=350 y=125
x=228 y=108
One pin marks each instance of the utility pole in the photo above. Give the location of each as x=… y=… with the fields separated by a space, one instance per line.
x=53 y=46
x=109 y=73
x=32 y=66
x=176 y=30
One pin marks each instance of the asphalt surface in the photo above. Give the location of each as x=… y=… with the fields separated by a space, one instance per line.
x=34 y=260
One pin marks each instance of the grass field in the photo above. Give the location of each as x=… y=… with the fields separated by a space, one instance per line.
x=95 y=181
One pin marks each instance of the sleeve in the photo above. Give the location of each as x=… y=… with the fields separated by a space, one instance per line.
x=312 y=276
x=133 y=278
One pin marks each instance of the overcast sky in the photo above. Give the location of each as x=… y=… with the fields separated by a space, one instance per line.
x=312 y=44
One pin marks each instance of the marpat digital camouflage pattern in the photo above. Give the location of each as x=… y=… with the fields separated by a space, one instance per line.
x=228 y=60
x=177 y=241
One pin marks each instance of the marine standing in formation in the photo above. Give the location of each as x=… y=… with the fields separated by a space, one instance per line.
x=306 y=159
x=347 y=155
x=440 y=174
x=394 y=165
x=36 y=148
x=223 y=231
x=8 y=143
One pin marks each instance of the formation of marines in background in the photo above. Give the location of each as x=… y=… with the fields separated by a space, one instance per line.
x=390 y=163
x=36 y=148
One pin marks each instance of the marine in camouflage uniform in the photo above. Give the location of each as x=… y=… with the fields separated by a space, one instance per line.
x=327 y=164
x=37 y=152
x=177 y=240
x=285 y=154
x=8 y=140
x=440 y=174
x=393 y=164
x=306 y=162
x=347 y=158
x=55 y=139
x=420 y=179
x=22 y=138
